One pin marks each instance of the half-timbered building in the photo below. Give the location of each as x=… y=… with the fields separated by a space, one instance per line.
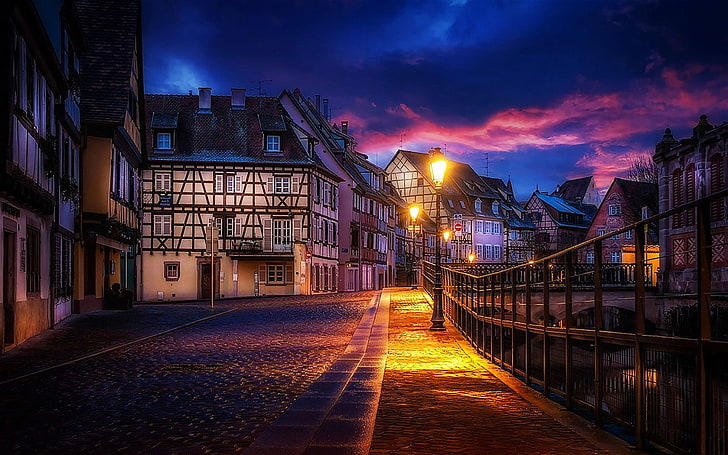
x=38 y=166
x=111 y=81
x=367 y=222
x=236 y=163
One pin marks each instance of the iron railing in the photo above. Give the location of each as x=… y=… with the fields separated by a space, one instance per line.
x=606 y=341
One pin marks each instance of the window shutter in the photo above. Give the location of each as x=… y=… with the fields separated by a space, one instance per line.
x=294 y=185
x=262 y=274
x=267 y=235
x=238 y=227
x=289 y=274
x=269 y=189
x=296 y=229
x=334 y=196
x=238 y=184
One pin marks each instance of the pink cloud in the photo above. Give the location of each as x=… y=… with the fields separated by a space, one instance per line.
x=606 y=123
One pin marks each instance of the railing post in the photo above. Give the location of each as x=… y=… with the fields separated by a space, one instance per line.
x=527 y=346
x=546 y=316
x=598 y=322
x=568 y=303
x=704 y=262
x=639 y=295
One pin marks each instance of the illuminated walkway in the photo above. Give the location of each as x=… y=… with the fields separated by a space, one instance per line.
x=423 y=392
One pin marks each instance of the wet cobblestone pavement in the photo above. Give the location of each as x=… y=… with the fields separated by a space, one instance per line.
x=209 y=388
x=437 y=398
x=345 y=374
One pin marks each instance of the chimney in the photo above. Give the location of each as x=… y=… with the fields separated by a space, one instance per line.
x=345 y=126
x=237 y=99
x=326 y=109
x=205 y=99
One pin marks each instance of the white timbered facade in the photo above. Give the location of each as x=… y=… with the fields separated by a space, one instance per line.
x=234 y=163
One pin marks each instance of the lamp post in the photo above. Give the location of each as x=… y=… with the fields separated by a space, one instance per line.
x=414 y=212
x=438 y=164
x=446 y=237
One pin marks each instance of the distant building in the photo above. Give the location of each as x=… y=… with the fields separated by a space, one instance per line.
x=369 y=207
x=691 y=169
x=238 y=168
x=561 y=223
x=581 y=190
x=625 y=203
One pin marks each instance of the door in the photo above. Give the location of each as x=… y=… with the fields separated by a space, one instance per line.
x=205 y=280
x=9 y=287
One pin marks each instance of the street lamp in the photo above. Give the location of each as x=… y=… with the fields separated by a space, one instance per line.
x=414 y=211
x=438 y=164
x=446 y=237
x=471 y=257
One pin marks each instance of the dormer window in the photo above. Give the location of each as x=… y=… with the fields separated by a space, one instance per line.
x=164 y=141
x=495 y=207
x=272 y=143
x=478 y=205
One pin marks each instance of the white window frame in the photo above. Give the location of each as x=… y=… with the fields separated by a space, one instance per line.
x=165 y=144
x=162 y=225
x=478 y=226
x=171 y=271
x=272 y=143
x=282 y=234
x=478 y=205
x=496 y=228
x=615 y=255
x=488 y=227
x=282 y=185
x=163 y=181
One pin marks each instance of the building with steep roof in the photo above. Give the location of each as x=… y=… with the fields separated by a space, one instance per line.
x=237 y=168
x=625 y=202
x=112 y=115
x=559 y=223
x=39 y=165
x=690 y=169
x=581 y=190
x=368 y=218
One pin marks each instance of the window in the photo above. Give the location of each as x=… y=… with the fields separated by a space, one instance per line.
x=449 y=201
x=615 y=237
x=495 y=207
x=420 y=181
x=218 y=183
x=615 y=257
x=171 y=271
x=272 y=143
x=163 y=225
x=164 y=141
x=282 y=238
x=496 y=228
x=601 y=232
x=32 y=247
x=496 y=251
x=615 y=209
x=233 y=227
x=163 y=182
x=276 y=274
x=489 y=251
x=462 y=204
x=677 y=197
x=717 y=184
x=488 y=227
x=690 y=193
x=479 y=250
x=478 y=205
x=282 y=185
x=478 y=226
x=590 y=257
x=628 y=235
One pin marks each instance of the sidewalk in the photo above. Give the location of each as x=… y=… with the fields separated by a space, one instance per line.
x=422 y=392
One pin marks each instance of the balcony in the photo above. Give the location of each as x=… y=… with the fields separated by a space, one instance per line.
x=239 y=246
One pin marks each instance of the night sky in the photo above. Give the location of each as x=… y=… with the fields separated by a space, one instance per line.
x=536 y=90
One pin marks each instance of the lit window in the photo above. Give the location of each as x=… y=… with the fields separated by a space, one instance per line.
x=273 y=143
x=601 y=232
x=590 y=257
x=628 y=235
x=616 y=257
x=171 y=271
x=164 y=140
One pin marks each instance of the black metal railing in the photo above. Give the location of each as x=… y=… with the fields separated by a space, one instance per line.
x=608 y=340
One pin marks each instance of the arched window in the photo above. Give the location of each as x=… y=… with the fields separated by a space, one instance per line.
x=717 y=184
x=677 y=197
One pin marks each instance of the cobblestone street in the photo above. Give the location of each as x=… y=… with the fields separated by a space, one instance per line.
x=208 y=388
x=347 y=374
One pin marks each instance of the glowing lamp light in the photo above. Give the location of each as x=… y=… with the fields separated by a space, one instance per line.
x=414 y=212
x=471 y=257
x=438 y=165
x=446 y=235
